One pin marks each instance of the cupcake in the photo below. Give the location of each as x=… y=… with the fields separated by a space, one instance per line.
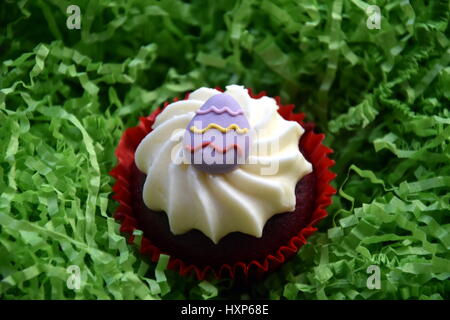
x=226 y=183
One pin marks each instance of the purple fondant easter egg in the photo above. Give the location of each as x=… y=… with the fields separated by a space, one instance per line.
x=217 y=139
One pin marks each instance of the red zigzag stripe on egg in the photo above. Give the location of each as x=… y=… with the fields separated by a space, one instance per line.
x=215 y=147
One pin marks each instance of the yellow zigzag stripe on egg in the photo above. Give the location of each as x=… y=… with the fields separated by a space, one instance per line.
x=233 y=126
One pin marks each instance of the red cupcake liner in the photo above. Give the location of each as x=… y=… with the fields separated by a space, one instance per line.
x=313 y=150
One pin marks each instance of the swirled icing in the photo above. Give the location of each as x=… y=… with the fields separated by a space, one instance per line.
x=217 y=204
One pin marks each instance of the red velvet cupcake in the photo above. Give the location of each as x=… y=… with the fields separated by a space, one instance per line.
x=226 y=183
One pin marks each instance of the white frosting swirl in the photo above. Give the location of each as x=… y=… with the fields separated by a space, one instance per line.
x=241 y=200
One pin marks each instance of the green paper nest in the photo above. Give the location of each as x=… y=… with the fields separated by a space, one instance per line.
x=382 y=97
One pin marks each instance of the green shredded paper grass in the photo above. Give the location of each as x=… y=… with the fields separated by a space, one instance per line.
x=381 y=96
